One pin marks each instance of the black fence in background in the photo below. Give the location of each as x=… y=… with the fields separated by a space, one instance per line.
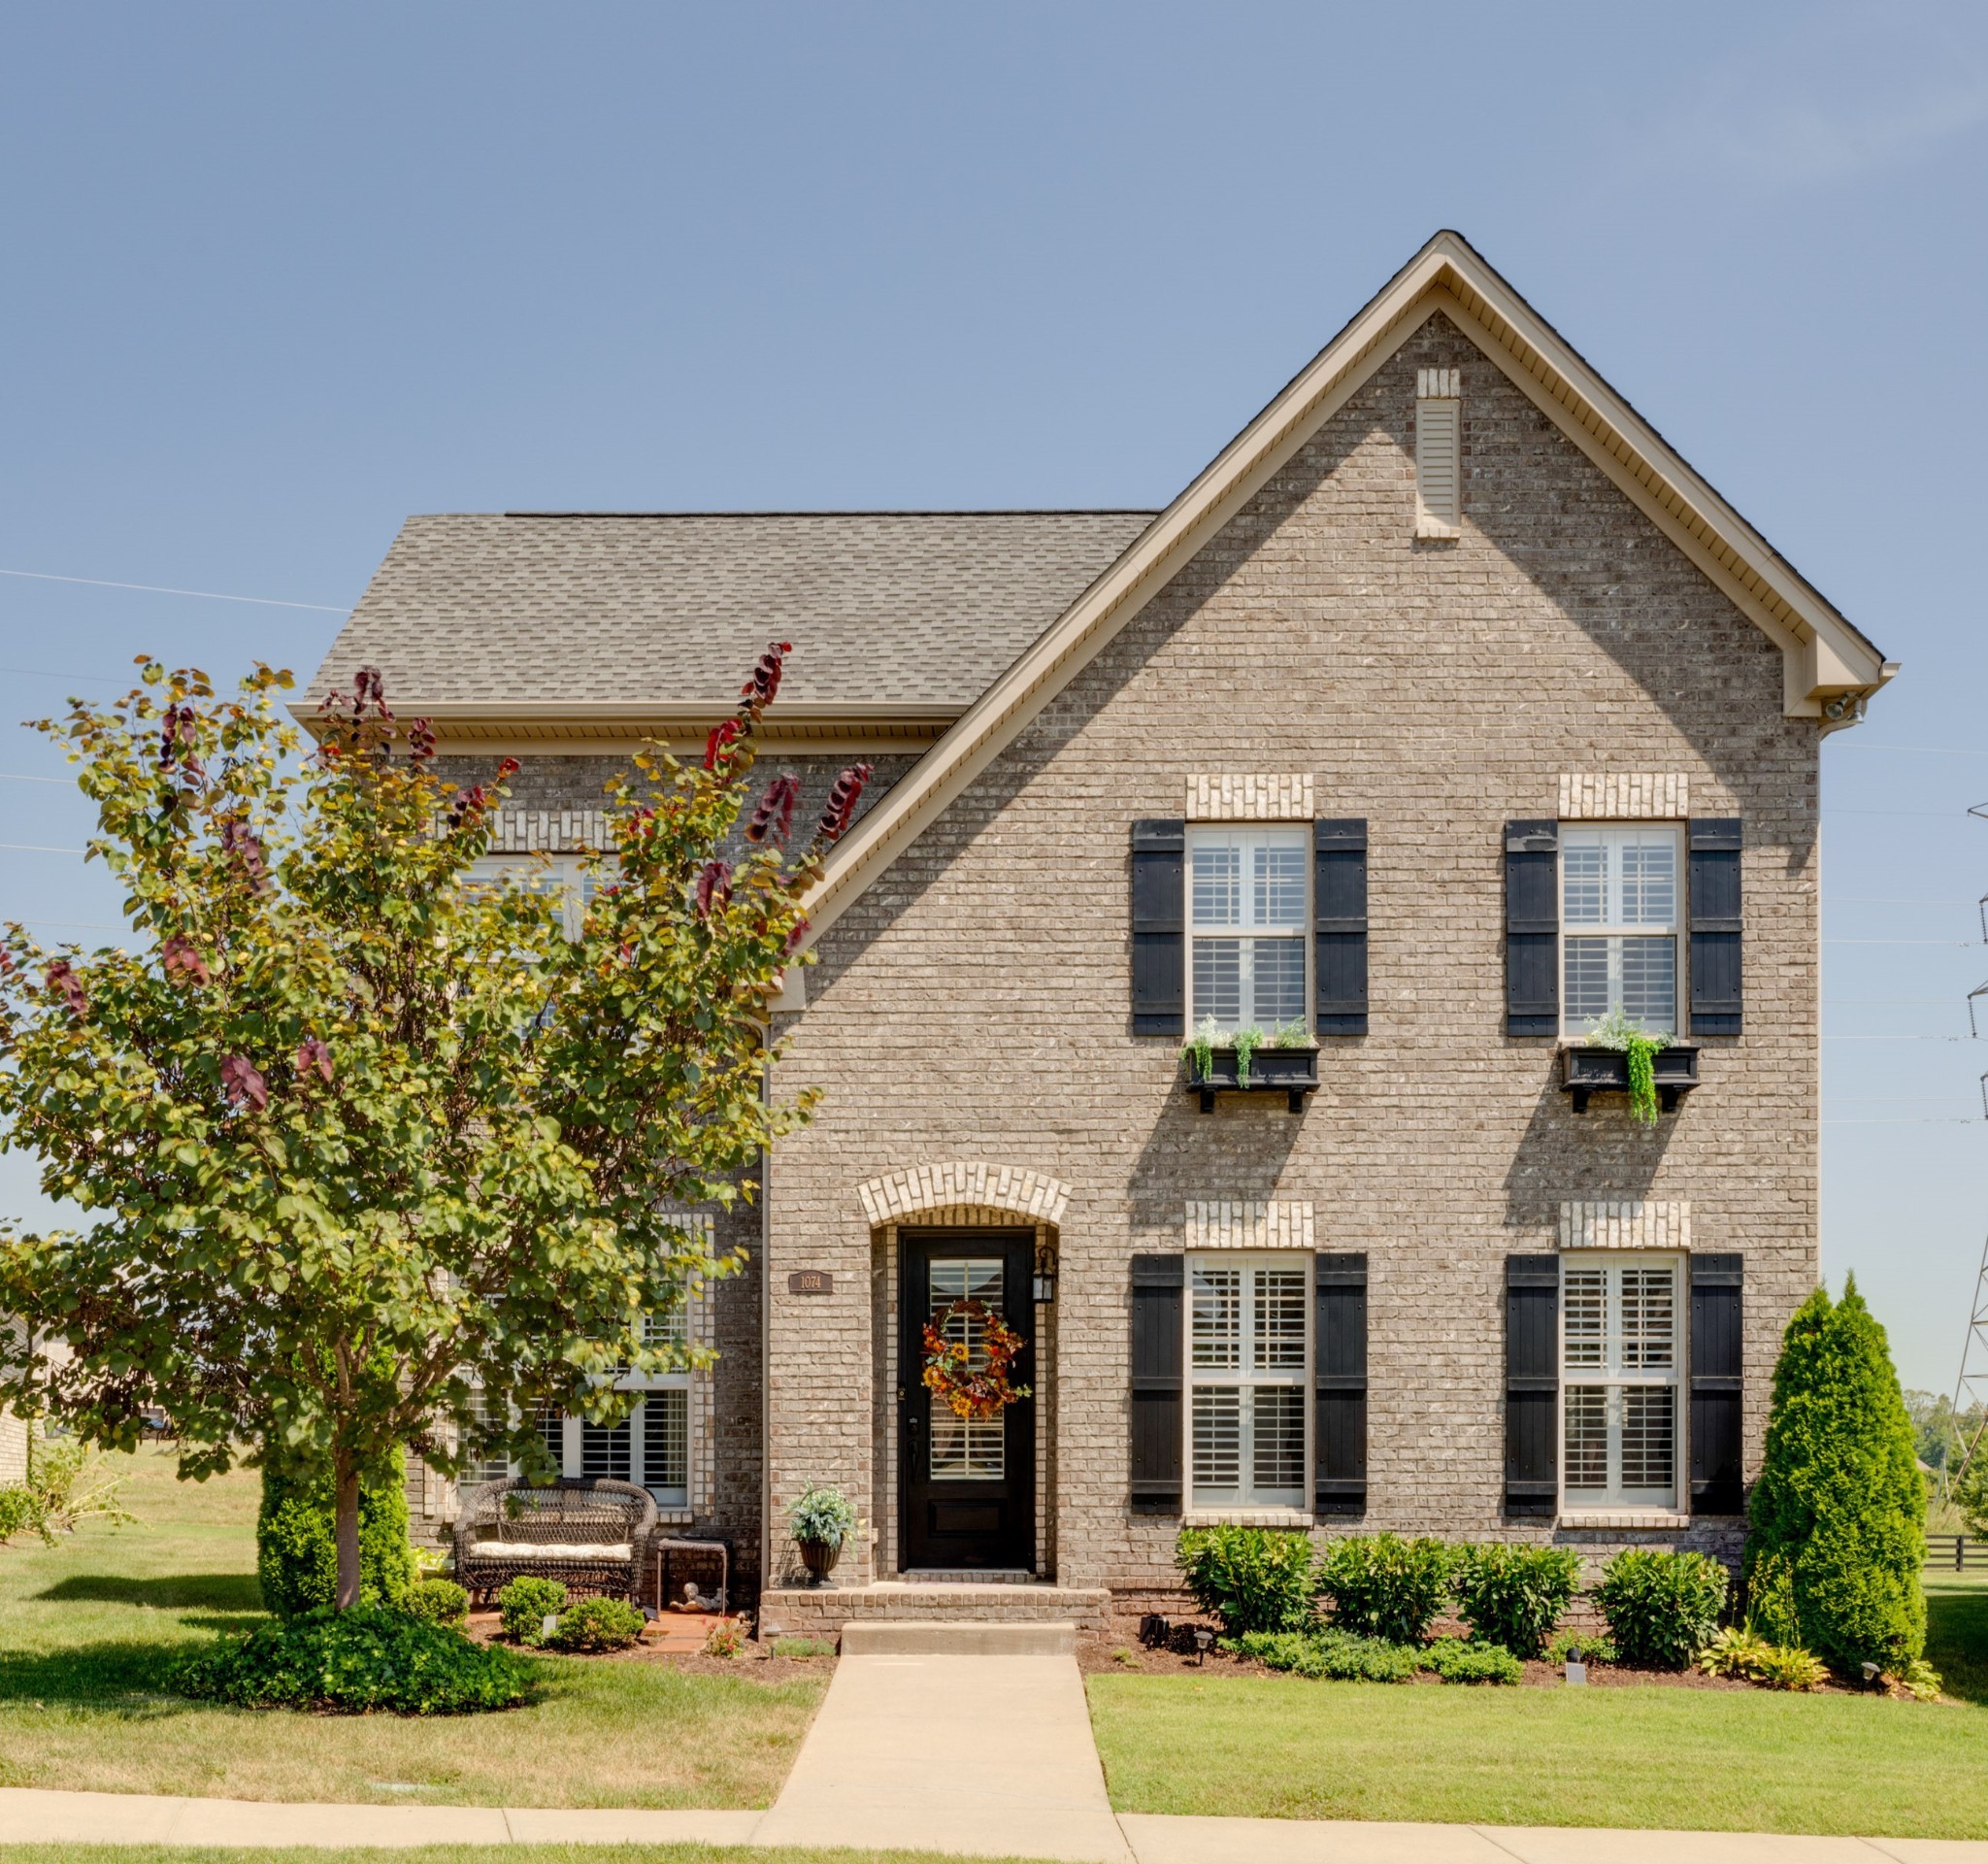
x=1955 y=1551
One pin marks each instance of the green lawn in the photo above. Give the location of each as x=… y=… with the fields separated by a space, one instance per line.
x=90 y=1630
x=1689 y=1759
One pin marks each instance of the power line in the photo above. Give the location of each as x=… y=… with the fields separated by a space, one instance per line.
x=42 y=673
x=14 y=776
x=153 y=589
x=36 y=847
x=1930 y=750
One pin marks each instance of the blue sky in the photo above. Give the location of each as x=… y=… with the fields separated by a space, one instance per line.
x=276 y=277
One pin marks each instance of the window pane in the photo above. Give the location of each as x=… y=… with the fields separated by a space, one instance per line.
x=1279 y=874
x=490 y=1467
x=1280 y=1446
x=666 y=1443
x=967 y=1450
x=665 y=1329
x=1219 y=1318
x=1217 y=884
x=1585 y=1312
x=1587 y=981
x=1583 y=875
x=552 y=1432
x=1649 y=882
x=1218 y=981
x=1217 y=1437
x=1649 y=1319
x=1586 y=1409
x=1650 y=1439
x=604 y=1449
x=1650 y=982
x=1279 y=985
x=1279 y=1317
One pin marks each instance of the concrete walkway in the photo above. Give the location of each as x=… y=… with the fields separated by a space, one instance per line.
x=31 y=1816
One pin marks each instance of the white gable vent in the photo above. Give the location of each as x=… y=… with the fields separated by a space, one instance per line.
x=1439 y=447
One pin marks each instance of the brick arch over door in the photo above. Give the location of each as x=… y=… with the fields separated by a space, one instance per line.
x=926 y=1190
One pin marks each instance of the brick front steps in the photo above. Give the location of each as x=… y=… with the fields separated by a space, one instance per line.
x=823 y=1611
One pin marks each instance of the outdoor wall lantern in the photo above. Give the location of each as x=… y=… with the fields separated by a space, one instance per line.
x=1046 y=1275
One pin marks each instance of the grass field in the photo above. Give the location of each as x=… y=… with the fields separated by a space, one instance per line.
x=1692 y=1759
x=90 y=1628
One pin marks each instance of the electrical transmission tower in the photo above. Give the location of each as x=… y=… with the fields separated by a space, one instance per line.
x=1971 y=1385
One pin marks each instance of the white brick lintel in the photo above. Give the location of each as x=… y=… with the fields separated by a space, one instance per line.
x=1653 y=796
x=1226 y=1224
x=1220 y=797
x=1625 y=1224
x=927 y=1189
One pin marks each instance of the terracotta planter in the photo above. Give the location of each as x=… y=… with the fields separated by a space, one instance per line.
x=820 y=1558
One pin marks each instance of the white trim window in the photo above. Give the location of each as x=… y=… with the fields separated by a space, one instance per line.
x=1249 y=1360
x=568 y=879
x=1621 y=1368
x=1618 y=920
x=1250 y=898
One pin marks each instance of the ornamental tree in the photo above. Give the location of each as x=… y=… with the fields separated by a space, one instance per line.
x=1837 y=1522
x=373 y=1153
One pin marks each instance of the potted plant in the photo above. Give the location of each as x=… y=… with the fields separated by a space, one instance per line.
x=820 y=1519
x=1251 y=1060
x=1622 y=1056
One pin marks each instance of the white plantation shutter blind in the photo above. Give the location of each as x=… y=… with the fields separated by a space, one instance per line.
x=1619 y=1351
x=1439 y=452
x=1250 y=1352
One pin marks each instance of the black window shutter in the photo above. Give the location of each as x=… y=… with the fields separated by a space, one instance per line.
x=1159 y=942
x=1715 y=1008
x=1532 y=928
x=1339 y=930
x=1717 y=1284
x=1531 y=1382
x=1158 y=1284
x=1340 y=1427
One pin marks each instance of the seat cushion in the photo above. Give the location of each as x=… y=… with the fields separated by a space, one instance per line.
x=551 y=1551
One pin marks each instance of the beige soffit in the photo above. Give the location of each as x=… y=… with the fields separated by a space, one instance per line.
x=1829 y=665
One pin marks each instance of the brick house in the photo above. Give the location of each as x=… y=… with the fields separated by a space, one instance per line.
x=1445 y=712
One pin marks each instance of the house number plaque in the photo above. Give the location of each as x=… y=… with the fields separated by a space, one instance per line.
x=810 y=1282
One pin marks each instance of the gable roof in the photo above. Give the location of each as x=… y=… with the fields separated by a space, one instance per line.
x=551 y=625
x=1829 y=666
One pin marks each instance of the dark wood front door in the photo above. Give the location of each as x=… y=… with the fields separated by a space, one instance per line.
x=967 y=1488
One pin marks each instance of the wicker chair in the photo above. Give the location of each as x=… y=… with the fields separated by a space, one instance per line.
x=589 y=1533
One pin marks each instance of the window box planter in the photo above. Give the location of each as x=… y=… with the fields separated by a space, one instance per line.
x=1586 y=1071
x=1292 y=1071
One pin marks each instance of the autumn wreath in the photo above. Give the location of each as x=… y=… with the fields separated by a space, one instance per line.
x=974 y=1392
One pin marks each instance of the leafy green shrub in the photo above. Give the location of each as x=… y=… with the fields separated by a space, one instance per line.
x=1383 y=1587
x=525 y=1605
x=1252 y=1578
x=597 y=1624
x=1469 y=1660
x=20 y=1514
x=438 y=1601
x=1662 y=1608
x=1338 y=1654
x=296 y=1549
x=727 y=1638
x=372 y=1657
x=1587 y=1646
x=1922 y=1679
x=1514 y=1595
x=1837 y=1532
x=1735 y=1652
x=66 y=1483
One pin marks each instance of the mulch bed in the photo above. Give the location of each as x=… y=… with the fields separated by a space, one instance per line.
x=1122 y=1656
x=756 y=1661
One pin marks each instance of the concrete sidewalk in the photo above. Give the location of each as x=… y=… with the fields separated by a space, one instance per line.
x=29 y=1815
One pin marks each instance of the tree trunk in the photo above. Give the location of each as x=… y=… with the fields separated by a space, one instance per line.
x=346 y=1527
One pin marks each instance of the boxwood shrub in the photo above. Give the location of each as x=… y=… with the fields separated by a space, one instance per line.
x=372 y=1657
x=1383 y=1587
x=438 y=1600
x=597 y=1624
x=1467 y=1660
x=1514 y=1595
x=1252 y=1578
x=525 y=1605
x=1662 y=1608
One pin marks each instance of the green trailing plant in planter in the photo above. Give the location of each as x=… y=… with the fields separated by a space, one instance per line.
x=1631 y=1038
x=1246 y=1042
x=1200 y=1051
x=820 y=1518
x=1295 y=1035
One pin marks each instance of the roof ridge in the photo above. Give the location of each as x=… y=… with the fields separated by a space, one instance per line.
x=974 y=510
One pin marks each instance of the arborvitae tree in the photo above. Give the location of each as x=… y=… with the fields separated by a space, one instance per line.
x=1838 y=1515
x=296 y=1544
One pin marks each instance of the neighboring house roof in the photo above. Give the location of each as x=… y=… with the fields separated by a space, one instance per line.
x=555 y=624
x=1829 y=666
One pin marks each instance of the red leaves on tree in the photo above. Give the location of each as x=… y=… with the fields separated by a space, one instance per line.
x=841 y=802
x=713 y=889
x=421 y=739
x=719 y=742
x=368 y=686
x=469 y=806
x=765 y=679
x=239 y=844
x=508 y=769
x=62 y=979
x=182 y=962
x=794 y=939
x=312 y=1058
x=242 y=1083
x=775 y=814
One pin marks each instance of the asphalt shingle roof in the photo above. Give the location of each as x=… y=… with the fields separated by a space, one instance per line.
x=884 y=608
